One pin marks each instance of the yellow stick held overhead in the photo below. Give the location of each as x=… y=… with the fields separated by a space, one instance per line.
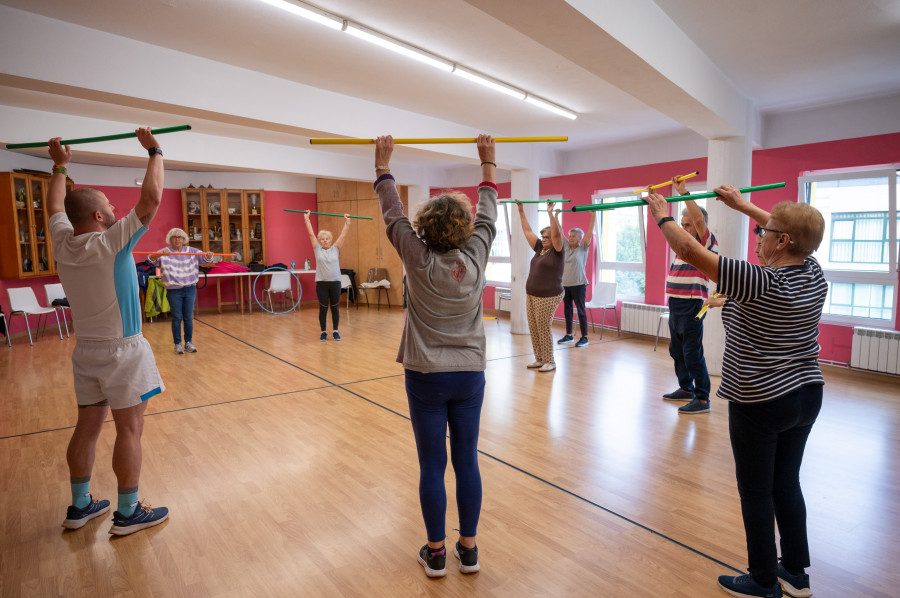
x=681 y=178
x=423 y=140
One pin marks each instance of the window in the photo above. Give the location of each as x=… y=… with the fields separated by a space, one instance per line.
x=859 y=251
x=622 y=245
x=499 y=269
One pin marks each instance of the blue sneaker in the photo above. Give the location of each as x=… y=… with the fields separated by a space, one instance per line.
x=695 y=406
x=745 y=585
x=582 y=342
x=795 y=585
x=76 y=518
x=434 y=561
x=566 y=339
x=142 y=518
x=323 y=337
x=336 y=336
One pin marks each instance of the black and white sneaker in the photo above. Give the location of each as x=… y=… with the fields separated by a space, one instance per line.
x=566 y=339
x=468 y=558
x=582 y=342
x=434 y=561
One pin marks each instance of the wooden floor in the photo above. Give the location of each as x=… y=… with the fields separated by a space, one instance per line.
x=290 y=469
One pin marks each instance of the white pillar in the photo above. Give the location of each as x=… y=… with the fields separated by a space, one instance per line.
x=525 y=185
x=729 y=163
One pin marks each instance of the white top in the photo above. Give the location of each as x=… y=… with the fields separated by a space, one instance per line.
x=328 y=268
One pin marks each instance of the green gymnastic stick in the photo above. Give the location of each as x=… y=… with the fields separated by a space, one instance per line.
x=641 y=202
x=538 y=201
x=327 y=214
x=93 y=139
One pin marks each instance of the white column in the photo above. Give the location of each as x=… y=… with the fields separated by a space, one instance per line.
x=729 y=163
x=524 y=186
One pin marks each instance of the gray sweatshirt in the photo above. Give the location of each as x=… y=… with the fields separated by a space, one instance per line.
x=444 y=331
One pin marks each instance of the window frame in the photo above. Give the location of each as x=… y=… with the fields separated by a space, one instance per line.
x=501 y=259
x=887 y=278
x=600 y=263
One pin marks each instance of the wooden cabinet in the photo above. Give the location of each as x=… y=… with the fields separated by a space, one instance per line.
x=25 y=248
x=226 y=221
x=366 y=245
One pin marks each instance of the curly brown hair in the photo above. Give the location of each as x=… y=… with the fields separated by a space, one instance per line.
x=445 y=222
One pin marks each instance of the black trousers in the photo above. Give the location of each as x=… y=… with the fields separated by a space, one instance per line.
x=768 y=440
x=328 y=293
x=575 y=295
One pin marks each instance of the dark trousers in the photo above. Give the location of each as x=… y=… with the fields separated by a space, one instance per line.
x=328 y=292
x=575 y=295
x=181 y=302
x=686 y=346
x=768 y=440
x=437 y=400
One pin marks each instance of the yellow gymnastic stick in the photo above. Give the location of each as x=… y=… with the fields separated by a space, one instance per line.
x=701 y=313
x=422 y=140
x=681 y=178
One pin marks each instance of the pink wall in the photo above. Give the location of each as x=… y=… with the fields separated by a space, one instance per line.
x=286 y=240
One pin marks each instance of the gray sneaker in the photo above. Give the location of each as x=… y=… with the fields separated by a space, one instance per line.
x=189 y=347
x=179 y=349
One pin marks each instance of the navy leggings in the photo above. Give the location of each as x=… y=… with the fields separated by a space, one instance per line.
x=768 y=440
x=437 y=400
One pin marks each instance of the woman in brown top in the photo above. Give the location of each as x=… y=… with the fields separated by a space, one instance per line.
x=543 y=289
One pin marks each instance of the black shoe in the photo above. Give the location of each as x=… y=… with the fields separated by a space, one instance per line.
x=695 y=406
x=795 y=585
x=434 y=561
x=468 y=558
x=566 y=339
x=745 y=585
x=679 y=395
x=582 y=342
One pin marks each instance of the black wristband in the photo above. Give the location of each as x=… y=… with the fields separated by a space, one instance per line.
x=662 y=221
x=685 y=194
x=491 y=163
x=154 y=151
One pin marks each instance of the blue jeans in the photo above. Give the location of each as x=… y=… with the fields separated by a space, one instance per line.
x=181 y=302
x=768 y=440
x=437 y=400
x=686 y=346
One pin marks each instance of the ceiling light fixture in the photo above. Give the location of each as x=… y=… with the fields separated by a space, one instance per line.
x=308 y=12
x=379 y=39
x=551 y=107
x=491 y=83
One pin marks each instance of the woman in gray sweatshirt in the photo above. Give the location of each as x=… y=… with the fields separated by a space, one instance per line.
x=445 y=253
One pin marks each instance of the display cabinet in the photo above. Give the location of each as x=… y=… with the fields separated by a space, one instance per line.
x=25 y=247
x=226 y=221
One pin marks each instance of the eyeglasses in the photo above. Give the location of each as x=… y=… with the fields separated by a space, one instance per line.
x=761 y=231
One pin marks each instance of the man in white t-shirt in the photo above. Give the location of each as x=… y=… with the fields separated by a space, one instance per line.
x=112 y=363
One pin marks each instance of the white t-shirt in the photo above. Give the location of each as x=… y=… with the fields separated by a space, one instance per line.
x=98 y=275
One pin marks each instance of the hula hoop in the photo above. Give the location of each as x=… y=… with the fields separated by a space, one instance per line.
x=263 y=307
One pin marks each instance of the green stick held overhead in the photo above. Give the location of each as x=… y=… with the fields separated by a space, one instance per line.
x=94 y=139
x=327 y=214
x=538 y=201
x=641 y=202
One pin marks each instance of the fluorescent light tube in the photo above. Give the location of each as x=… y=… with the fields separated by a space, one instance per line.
x=495 y=85
x=399 y=47
x=308 y=12
x=550 y=107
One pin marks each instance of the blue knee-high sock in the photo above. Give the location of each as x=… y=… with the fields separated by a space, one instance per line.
x=81 y=495
x=128 y=498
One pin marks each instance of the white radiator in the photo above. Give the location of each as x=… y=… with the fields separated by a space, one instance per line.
x=876 y=349
x=644 y=319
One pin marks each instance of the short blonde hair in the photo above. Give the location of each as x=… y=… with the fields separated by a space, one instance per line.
x=803 y=223
x=176 y=232
x=445 y=222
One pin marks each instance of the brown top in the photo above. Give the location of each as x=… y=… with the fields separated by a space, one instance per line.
x=545 y=276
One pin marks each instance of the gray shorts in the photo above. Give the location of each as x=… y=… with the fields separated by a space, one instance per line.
x=120 y=372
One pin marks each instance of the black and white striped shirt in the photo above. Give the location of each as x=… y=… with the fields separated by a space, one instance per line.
x=771 y=326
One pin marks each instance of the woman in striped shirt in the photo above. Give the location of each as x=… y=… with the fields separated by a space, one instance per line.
x=179 y=275
x=770 y=377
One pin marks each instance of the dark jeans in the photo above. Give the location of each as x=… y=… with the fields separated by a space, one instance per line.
x=575 y=294
x=437 y=400
x=328 y=292
x=181 y=302
x=686 y=346
x=768 y=440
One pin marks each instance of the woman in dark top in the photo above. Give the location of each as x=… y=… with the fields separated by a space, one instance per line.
x=543 y=289
x=770 y=376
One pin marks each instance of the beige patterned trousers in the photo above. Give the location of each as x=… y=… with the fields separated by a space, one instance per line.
x=540 y=312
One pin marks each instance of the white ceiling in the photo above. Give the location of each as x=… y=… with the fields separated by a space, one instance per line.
x=777 y=55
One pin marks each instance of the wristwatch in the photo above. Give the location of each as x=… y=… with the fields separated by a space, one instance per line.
x=154 y=151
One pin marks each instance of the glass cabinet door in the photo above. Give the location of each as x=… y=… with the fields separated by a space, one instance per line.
x=216 y=221
x=236 y=226
x=42 y=258
x=255 y=241
x=21 y=189
x=194 y=218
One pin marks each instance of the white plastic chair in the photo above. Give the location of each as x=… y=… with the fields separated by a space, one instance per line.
x=664 y=316
x=55 y=291
x=22 y=302
x=279 y=283
x=603 y=297
x=345 y=286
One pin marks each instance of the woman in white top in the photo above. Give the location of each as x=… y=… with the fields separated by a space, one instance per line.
x=328 y=273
